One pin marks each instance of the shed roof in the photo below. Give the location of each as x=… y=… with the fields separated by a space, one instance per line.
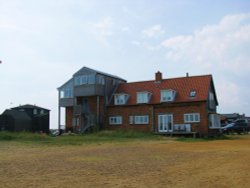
x=17 y=114
x=29 y=106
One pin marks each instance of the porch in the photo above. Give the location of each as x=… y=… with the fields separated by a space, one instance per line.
x=178 y=133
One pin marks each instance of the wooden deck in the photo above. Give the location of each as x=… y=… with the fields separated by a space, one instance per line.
x=178 y=133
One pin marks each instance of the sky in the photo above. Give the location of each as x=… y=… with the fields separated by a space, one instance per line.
x=43 y=43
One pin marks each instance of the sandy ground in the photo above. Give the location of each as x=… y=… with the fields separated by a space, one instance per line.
x=164 y=163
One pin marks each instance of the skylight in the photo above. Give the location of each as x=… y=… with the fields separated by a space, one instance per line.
x=192 y=93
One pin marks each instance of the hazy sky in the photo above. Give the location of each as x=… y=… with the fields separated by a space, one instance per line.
x=42 y=43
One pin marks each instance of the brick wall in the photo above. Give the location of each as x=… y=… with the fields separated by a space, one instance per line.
x=177 y=110
x=69 y=118
x=125 y=112
x=92 y=102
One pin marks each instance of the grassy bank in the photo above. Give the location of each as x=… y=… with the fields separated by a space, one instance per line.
x=73 y=139
x=96 y=138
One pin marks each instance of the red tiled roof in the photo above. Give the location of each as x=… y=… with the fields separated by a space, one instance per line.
x=182 y=86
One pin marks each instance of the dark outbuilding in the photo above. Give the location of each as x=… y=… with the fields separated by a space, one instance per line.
x=26 y=117
x=13 y=120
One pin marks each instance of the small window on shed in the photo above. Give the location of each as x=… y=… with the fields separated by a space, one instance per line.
x=192 y=93
x=35 y=111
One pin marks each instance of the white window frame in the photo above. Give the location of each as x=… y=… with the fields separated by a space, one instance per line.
x=167 y=95
x=120 y=99
x=192 y=118
x=115 y=120
x=142 y=97
x=142 y=119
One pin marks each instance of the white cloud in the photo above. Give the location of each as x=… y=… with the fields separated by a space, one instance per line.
x=103 y=29
x=154 y=31
x=223 y=44
x=221 y=49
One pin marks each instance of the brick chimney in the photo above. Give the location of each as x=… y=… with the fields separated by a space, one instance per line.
x=158 y=76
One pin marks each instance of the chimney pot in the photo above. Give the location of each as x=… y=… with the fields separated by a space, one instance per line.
x=187 y=74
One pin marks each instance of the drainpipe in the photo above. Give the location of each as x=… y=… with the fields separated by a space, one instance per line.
x=153 y=119
x=98 y=109
x=59 y=110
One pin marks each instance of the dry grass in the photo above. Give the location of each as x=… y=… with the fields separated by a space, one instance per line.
x=148 y=163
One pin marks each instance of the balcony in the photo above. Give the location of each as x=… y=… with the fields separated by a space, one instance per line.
x=89 y=90
x=65 y=102
x=182 y=128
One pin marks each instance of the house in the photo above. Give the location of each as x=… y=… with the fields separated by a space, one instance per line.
x=26 y=118
x=167 y=106
x=85 y=97
x=40 y=117
x=13 y=120
x=185 y=105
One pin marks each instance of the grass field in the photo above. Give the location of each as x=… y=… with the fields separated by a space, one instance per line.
x=117 y=159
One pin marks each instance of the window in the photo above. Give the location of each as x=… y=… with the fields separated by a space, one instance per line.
x=67 y=90
x=91 y=79
x=143 y=97
x=115 y=120
x=192 y=118
x=211 y=100
x=42 y=111
x=141 y=119
x=192 y=93
x=214 y=121
x=84 y=79
x=167 y=95
x=34 y=111
x=77 y=80
x=121 y=99
x=100 y=80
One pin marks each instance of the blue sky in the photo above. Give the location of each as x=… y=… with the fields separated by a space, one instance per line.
x=44 y=42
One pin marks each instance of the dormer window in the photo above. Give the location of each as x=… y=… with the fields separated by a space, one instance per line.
x=192 y=93
x=121 y=98
x=143 y=97
x=168 y=95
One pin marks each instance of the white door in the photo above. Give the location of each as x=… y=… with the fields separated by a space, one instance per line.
x=165 y=123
